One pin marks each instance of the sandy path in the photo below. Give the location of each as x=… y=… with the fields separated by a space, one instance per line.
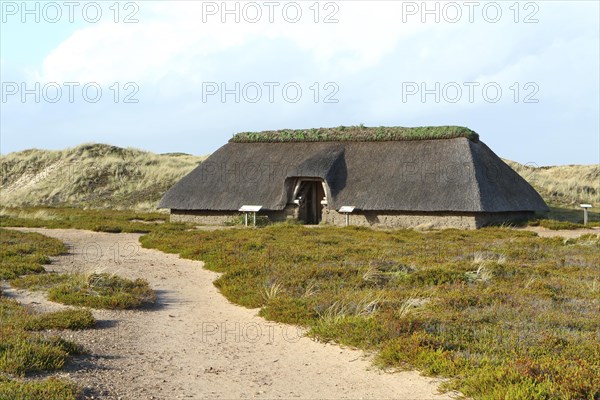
x=195 y=344
x=565 y=233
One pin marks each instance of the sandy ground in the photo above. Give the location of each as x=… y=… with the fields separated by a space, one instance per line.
x=565 y=233
x=195 y=344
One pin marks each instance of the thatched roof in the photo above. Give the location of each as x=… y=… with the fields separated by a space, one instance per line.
x=356 y=134
x=420 y=175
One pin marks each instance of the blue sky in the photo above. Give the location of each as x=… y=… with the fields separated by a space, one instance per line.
x=184 y=76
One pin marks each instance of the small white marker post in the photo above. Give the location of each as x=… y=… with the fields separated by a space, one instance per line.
x=347 y=210
x=585 y=212
x=250 y=209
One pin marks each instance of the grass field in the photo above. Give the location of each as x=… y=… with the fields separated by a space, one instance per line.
x=503 y=313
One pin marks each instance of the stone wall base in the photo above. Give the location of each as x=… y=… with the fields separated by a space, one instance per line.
x=203 y=217
x=423 y=220
x=387 y=219
x=379 y=219
x=225 y=217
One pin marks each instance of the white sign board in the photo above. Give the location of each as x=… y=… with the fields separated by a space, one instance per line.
x=250 y=209
x=585 y=205
x=347 y=209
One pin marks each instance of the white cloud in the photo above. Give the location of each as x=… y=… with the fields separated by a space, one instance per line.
x=370 y=53
x=172 y=38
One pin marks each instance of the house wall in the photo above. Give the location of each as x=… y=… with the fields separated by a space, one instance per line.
x=222 y=217
x=425 y=220
x=291 y=211
x=203 y=217
x=379 y=219
x=392 y=219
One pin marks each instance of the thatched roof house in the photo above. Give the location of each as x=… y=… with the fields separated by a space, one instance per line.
x=432 y=176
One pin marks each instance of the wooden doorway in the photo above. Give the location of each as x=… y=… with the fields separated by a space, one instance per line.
x=309 y=194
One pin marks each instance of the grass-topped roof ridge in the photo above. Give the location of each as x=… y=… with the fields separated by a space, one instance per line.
x=358 y=133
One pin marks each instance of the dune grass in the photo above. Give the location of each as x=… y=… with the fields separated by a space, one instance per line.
x=563 y=186
x=356 y=134
x=503 y=313
x=91 y=175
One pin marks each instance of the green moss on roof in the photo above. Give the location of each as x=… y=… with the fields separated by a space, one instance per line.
x=357 y=134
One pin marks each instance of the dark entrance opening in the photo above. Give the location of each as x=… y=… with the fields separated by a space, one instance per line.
x=309 y=196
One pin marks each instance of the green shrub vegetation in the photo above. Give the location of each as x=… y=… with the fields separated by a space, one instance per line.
x=112 y=221
x=23 y=351
x=49 y=389
x=558 y=225
x=74 y=319
x=503 y=313
x=91 y=290
x=357 y=134
x=22 y=254
x=19 y=317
